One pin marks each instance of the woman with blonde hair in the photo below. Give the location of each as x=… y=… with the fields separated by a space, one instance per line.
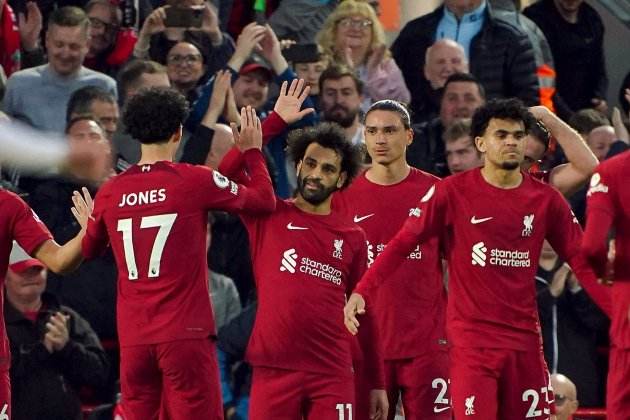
x=353 y=34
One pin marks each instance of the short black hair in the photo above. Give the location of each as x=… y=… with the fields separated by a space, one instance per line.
x=336 y=71
x=392 y=106
x=82 y=117
x=81 y=100
x=154 y=114
x=131 y=73
x=330 y=136
x=69 y=16
x=504 y=109
x=465 y=77
x=586 y=120
x=541 y=133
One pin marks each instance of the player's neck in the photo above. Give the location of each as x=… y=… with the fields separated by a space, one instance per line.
x=321 y=209
x=502 y=178
x=389 y=174
x=151 y=153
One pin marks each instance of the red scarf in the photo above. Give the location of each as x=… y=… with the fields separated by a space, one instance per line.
x=9 y=41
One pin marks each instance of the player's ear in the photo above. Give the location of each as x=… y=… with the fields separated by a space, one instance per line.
x=177 y=136
x=409 y=136
x=481 y=144
x=342 y=179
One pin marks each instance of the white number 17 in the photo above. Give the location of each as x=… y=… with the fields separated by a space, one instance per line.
x=165 y=223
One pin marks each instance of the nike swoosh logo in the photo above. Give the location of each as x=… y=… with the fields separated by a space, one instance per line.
x=475 y=221
x=440 y=409
x=358 y=219
x=291 y=227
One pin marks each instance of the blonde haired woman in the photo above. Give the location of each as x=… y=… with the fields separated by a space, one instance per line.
x=353 y=34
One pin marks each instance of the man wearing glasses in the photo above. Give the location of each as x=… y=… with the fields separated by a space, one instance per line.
x=565 y=395
x=105 y=46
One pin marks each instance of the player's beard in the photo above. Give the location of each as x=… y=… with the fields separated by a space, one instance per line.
x=341 y=115
x=314 y=197
x=510 y=165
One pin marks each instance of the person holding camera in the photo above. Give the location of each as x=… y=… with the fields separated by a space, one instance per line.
x=193 y=21
x=54 y=351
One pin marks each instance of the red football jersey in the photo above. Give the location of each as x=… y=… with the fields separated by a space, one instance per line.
x=17 y=222
x=411 y=306
x=493 y=239
x=608 y=205
x=304 y=265
x=155 y=218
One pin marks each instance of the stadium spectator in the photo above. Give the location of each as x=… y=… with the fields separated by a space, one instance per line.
x=91 y=289
x=300 y=20
x=110 y=47
x=565 y=396
x=499 y=54
x=570 y=324
x=92 y=100
x=19 y=38
x=353 y=35
x=461 y=96
x=186 y=69
x=509 y=11
x=575 y=33
x=54 y=351
x=461 y=152
x=624 y=94
x=341 y=95
x=52 y=84
x=155 y=39
x=310 y=69
x=443 y=58
x=134 y=76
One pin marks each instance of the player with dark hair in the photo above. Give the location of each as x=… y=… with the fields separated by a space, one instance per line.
x=413 y=337
x=608 y=207
x=154 y=215
x=307 y=258
x=493 y=221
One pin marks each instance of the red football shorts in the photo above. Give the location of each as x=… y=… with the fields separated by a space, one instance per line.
x=5 y=396
x=280 y=394
x=423 y=385
x=618 y=386
x=184 y=373
x=500 y=384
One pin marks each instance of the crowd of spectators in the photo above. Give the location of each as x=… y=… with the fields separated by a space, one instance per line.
x=70 y=67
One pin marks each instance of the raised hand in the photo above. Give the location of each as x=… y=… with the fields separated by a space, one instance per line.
x=247 y=41
x=355 y=306
x=154 y=23
x=57 y=335
x=376 y=57
x=222 y=81
x=620 y=128
x=250 y=135
x=290 y=101
x=82 y=208
x=230 y=111
x=30 y=26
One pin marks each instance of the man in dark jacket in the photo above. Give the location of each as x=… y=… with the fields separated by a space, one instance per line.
x=499 y=54
x=575 y=32
x=54 y=352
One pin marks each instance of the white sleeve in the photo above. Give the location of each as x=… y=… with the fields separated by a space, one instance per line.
x=31 y=150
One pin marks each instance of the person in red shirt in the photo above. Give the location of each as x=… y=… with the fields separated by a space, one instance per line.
x=492 y=221
x=154 y=216
x=379 y=201
x=608 y=206
x=307 y=258
x=20 y=223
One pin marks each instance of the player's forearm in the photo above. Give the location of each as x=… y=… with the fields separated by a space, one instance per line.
x=62 y=259
x=600 y=294
x=260 y=195
x=575 y=148
x=394 y=254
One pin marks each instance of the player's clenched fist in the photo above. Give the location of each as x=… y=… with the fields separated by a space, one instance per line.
x=355 y=306
x=250 y=135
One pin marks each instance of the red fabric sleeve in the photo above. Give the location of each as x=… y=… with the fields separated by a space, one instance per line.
x=595 y=241
x=27 y=229
x=426 y=223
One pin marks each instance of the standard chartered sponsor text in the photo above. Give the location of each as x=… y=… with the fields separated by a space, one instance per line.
x=320 y=270
x=509 y=258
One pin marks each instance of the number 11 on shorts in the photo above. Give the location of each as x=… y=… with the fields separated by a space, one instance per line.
x=342 y=408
